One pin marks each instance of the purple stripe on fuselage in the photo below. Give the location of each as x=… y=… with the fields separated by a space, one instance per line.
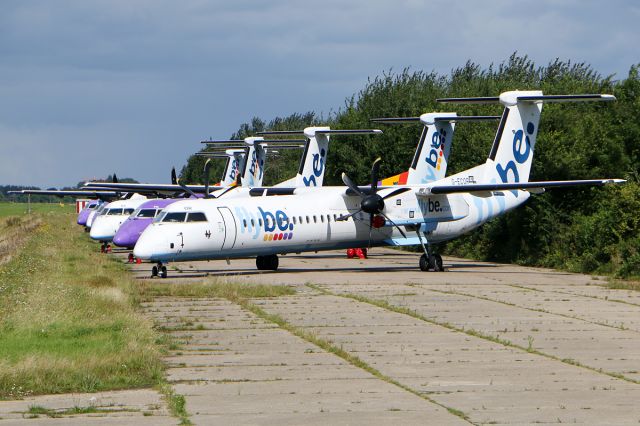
x=84 y=213
x=132 y=228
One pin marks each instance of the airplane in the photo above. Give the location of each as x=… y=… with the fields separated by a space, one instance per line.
x=326 y=218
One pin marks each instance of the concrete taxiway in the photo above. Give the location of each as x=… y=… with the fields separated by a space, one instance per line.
x=377 y=341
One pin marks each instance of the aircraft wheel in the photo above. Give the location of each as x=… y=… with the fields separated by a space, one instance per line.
x=260 y=263
x=273 y=262
x=154 y=271
x=163 y=272
x=438 y=266
x=424 y=263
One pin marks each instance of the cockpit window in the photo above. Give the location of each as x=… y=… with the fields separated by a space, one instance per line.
x=196 y=217
x=114 y=212
x=128 y=211
x=174 y=217
x=160 y=217
x=147 y=213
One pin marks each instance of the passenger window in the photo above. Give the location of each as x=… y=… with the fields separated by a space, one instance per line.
x=307 y=219
x=174 y=217
x=244 y=222
x=322 y=218
x=260 y=222
x=328 y=218
x=314 y=219
x=294 y=220
x=252 y=223
x=196 y=217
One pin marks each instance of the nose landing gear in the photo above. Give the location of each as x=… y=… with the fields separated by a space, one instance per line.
x=159 y=270
x=267 y=263
x=429 y=261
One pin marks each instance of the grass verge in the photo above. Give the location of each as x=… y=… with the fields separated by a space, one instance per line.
x=623 y=285
x=67 y=318
x=21 y=209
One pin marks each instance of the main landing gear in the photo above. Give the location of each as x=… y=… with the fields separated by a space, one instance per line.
x=105 y=247
x=267 y=263
x=429 y=261
x=160 y=270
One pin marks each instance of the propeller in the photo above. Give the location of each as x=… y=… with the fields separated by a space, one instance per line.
x=115 y=178
x=372 y=202
x=174 y=178
x=186 y=189
x=207 y=169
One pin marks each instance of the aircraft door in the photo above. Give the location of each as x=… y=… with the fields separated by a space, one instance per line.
x=229 y=226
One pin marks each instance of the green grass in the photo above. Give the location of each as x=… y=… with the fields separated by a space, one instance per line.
x=176 y=404
x=67 y=317
x=623 y=285
x=20 y=209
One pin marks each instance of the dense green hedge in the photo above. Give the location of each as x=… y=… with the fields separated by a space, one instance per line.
x=586 y=230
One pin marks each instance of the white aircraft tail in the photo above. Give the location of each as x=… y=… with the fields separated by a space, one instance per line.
x=512 y=150
x=312 y=163
x=430 y=160
x=232 y=168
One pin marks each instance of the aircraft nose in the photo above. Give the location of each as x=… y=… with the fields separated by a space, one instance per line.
x=146 y=246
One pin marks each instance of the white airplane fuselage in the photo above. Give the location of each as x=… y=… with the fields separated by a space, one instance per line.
x=306 y=221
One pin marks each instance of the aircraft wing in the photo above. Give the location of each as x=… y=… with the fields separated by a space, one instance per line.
x=535 y=187
x=142 y=188
x=79 y=193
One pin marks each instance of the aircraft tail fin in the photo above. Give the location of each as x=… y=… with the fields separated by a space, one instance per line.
x=312 y=163
x=432 y=153
x=511 y=154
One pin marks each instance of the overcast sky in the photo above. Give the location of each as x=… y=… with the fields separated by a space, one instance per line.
x=88 y=88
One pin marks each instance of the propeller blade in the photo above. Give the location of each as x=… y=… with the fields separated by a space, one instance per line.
x=351 y=185
x=370 y=228
x=225 y=191
x=183 y=186
x=347 y=216
x=396 y=192
x=374 y=175
x=394 y=224
x=207 y=167
x=174 y=178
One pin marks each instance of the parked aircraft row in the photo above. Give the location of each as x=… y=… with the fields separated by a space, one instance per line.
x=241 y=218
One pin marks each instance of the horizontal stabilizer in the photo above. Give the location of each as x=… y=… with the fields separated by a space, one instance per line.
x=224 y=141
x=439 y=119
x=511 y=98
x=527 y=186
x=323 y=132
